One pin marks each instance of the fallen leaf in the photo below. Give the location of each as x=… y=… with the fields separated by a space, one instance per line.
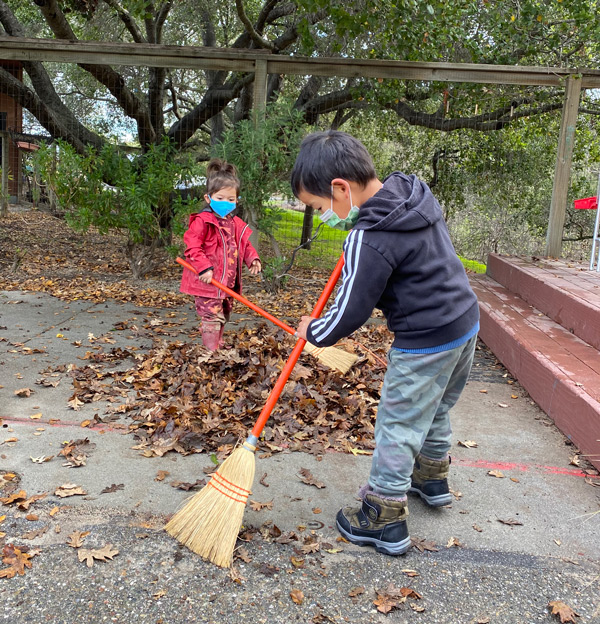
x=36 y=416
x=421 y=544
x=357 y=591
x=416 y=607
x=297 y=562
x=478 y=528
x=101 y=554
x=20 y=495
x=410 y=573
x=24 y=392
x=385 y=603
x=257 y=506
x=161 y=474
x=496 y=473
x=35 y=533
x=75 y=540
x=511 y=522
x=24 y=505
x=113 y=488
x=41 y=459
x=70 y=489
x=297 y=596
x=468 y=443
x=16 y=559
x=502 y=405
x=564 y=612
x=268 y=570
x=32 y=518
x=308 y=478
x=453 y=541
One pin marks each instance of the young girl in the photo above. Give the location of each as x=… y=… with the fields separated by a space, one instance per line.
x=216 y=245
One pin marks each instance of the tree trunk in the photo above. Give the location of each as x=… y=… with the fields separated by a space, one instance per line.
x=307 y=225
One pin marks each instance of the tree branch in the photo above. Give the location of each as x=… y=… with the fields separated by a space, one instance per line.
x=104 y=74
x=256 y=38
x=214 y=101
x=128 y=20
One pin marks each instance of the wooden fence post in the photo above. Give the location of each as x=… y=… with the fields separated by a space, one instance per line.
x=5 y=169
x=562 y=172
x=260 y=90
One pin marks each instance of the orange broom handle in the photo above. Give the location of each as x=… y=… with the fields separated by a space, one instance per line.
x=241 y=299
x=295 y=354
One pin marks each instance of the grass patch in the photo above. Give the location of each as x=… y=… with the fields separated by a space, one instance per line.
x=326 y=250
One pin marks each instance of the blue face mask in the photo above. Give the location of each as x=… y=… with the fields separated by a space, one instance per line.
x=332 y=220
x=222 y=207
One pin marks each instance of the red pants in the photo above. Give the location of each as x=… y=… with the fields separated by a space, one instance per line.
x=214 y=314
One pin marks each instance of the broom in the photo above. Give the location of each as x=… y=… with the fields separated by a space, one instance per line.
x=329 y=356
x=209 y=523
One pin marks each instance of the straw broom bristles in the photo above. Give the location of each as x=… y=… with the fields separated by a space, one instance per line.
x=331 y=357
x=209 y=523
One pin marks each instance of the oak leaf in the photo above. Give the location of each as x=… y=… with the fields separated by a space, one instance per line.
x=101 y=554
x=16 y=559
x=75 y=540
x=564 y=612
x=308 y=478
x=258 y=506
x=70 y=489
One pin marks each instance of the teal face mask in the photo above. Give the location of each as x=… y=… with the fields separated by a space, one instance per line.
x=221 y=206
x=332 y=220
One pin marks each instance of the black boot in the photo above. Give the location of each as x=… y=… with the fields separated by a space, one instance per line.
x=430 y=480
x=378 y=522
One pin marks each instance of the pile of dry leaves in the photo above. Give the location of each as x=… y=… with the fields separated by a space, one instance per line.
x=183 y=398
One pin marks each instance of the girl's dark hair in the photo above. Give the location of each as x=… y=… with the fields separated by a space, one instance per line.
x=220 y=174
x=325 y=156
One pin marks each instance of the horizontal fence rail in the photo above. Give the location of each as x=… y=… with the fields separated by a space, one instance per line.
x=155 y=55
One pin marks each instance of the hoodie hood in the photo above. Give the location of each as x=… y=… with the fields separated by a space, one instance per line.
x=403 y=204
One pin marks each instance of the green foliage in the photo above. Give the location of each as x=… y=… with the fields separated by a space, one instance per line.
x=264 y=154
x=111 y=191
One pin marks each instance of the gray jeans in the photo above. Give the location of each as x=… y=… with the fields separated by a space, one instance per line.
x=417 y=394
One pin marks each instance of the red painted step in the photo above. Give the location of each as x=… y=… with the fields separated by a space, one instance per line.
x=560 y=371
x=566 y=293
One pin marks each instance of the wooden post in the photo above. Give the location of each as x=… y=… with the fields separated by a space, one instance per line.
x=5 y=169
x=562 y=173
x=260 y=90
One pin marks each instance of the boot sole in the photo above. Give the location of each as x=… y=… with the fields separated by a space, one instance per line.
x=433 y=501
x=384 y=548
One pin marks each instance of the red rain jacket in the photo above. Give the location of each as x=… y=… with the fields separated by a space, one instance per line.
x=205 y=249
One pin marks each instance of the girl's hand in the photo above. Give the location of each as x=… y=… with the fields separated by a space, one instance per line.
x=255 y=267
x=206 y=276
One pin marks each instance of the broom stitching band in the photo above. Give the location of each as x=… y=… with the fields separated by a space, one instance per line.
x=233 y=498
x=222 y=479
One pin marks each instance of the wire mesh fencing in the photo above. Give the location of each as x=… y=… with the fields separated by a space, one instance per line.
x=118 y=152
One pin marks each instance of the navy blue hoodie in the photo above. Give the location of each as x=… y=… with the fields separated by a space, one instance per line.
x=399 y=258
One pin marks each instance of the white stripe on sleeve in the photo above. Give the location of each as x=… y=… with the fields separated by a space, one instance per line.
x=323 y=327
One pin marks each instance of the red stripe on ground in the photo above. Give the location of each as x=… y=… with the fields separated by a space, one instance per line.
x=496 y=465
x=59 y=423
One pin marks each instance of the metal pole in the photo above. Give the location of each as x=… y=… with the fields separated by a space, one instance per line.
x=596 y=237
x=564 y=157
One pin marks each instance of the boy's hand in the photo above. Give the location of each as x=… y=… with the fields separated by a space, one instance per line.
x=303 y=327
x=206 y=276
x=255 y=267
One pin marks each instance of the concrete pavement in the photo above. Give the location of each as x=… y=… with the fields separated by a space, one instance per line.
x=506 y=547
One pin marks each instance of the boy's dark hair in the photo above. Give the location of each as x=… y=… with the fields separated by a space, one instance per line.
x=221 y=174
x=325 y=156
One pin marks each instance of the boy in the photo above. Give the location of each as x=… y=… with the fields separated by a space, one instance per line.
x=399 y=258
